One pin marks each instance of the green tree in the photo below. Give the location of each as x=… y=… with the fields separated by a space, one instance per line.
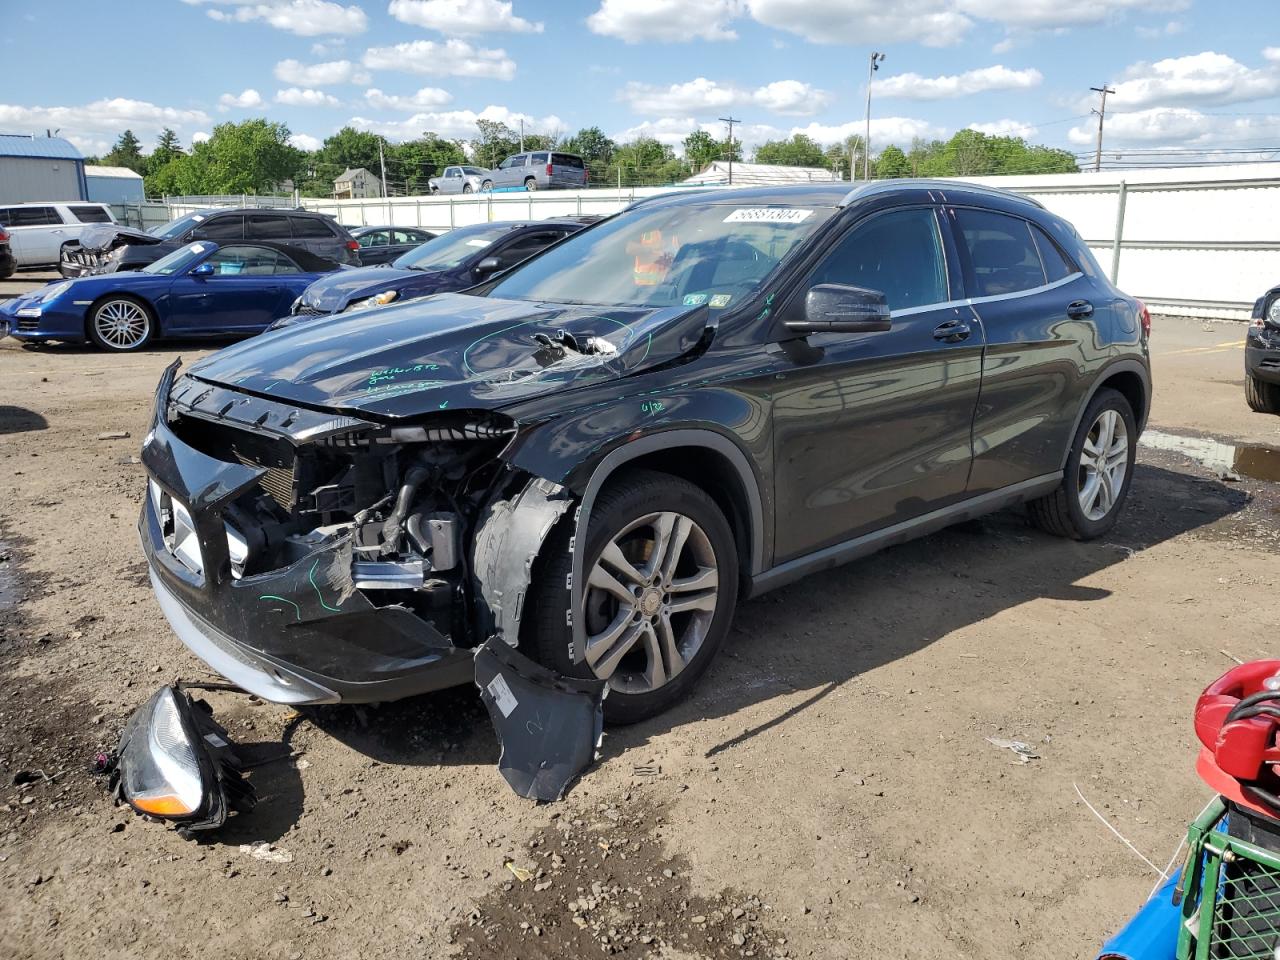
x=496 y=142
x=891 y=163
x=645 y=162
x=126 y=153
x=252 y=156
x=591 y=144
x=167 y=149
x=416 y=161
x=348 y=148
x=701 y=148
x=799 y=151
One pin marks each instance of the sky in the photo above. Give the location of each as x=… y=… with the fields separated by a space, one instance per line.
x=1188 y=75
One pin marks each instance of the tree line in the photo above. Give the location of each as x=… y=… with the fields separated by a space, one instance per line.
x=255 y=156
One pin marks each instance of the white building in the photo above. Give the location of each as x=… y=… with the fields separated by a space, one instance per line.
x=716 y=174
x=356 y=183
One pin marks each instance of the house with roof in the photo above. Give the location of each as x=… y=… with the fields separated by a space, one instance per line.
x=40 y=168
x=355 y=183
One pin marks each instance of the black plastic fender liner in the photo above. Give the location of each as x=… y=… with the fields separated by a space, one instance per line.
x=549 y=726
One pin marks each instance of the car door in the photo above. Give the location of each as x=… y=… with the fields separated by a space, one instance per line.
x=1037 y=313
x=511 y=173
x=37 y=234
x=249 y=287
x=874 y=429
x=452 y=180
x=374 y=247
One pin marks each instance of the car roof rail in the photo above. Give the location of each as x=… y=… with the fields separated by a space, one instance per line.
x=875 y=187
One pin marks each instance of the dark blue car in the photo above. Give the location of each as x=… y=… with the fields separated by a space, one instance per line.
x=200 y=290
x=454 y=261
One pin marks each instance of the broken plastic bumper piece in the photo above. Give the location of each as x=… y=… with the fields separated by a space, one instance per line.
x=549 y=726
x=175 y=763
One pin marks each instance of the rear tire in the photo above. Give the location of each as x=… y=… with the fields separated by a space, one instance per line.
x=1261 y=396
x=121 y=324
x=1095 y=483
x=466 y=188
x=663 y=613
x=486 y=187
x=531 y=184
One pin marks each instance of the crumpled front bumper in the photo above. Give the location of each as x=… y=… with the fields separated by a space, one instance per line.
x=300 y=634
x=1262 y=354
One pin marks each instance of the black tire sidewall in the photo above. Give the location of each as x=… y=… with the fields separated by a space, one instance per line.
x=1106 y=399
x=98 y=342
x=652 y=494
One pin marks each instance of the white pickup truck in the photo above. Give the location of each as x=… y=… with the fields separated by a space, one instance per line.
x=37 y=231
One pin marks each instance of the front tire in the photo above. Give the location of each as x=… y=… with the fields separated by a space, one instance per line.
x=1261 y=396
x=121 y=324
x=531 y=184
x=486 y=187
x=466 y=188
x=660 y=586
x=1099 y=469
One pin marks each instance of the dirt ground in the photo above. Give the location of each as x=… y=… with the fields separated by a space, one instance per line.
x=829 y=791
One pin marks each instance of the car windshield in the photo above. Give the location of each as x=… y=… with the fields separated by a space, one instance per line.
x=715 y=253
x=176 y=228
x=450 y=249
x=179 y=260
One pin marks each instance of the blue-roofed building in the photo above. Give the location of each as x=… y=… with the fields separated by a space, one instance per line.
x=40 y=168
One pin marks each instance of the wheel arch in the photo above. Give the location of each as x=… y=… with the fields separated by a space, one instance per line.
x=1128 y=377
x=146 y=304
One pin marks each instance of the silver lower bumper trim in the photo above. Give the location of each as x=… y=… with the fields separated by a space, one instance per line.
x=260 y=677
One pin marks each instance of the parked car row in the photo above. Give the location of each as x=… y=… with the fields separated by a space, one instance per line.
x=534 y=170
x=38 y=231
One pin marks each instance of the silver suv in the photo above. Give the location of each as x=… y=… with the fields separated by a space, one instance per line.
x=540 y=170
x=460 y=179
x=37 y=231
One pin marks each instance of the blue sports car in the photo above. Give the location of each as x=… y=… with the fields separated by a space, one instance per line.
x=203 y=289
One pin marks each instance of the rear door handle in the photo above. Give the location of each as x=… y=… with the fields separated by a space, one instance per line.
x=953 y=331
x=1078 y=309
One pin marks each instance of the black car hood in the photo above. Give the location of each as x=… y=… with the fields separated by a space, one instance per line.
x=332 y=294
x=451 y=352
x=103 y=237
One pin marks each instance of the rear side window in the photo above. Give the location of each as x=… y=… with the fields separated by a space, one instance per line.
x=539 y=158
x=32 y=217
x=1002 y=252
x=1056 y=265
x=898 y=253
x=90 y=214
x=525 y=247
x=247 y=261
x=221 y=228
x=266 y=226
x=566 y=160
x=311 y=228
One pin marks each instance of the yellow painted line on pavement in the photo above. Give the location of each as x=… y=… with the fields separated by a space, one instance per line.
x=1230 y=345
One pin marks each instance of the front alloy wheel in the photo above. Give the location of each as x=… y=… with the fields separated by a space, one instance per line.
x=649 y=602
x=120 y=324
x=1104 y=464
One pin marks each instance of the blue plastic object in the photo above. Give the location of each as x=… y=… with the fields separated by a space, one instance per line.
x=1152 y=934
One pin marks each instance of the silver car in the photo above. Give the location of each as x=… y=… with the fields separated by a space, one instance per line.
x=541 y=170
x=461 y=180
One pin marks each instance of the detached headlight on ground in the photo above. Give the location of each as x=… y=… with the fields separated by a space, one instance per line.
x=175 y=763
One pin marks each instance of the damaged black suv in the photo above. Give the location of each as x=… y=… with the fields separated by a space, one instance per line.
x=592 y=457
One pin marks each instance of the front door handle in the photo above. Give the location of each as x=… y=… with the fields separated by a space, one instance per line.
x=953 y=331
x=1079 y=309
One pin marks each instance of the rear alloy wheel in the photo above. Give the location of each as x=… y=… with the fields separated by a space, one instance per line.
x=121 y=324
x=660 y=586
x=466 y=188
x=486 y=187
x=531 y=184
x=1099 y=469
x=1261 y=396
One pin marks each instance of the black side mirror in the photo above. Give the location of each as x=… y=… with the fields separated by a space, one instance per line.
x=487 y=266
x=840 y=308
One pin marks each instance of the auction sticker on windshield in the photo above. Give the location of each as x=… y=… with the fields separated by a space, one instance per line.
x=768 y=215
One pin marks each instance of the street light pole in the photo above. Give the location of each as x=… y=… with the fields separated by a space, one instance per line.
x=872 y=67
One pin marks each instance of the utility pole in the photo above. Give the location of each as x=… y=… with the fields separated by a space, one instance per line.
x=874 y=65
x=522 y=134
x=1102 y=115
x=730 y=121
x=386 y=194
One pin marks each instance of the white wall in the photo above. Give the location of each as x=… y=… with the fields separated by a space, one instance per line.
x=1198 y=242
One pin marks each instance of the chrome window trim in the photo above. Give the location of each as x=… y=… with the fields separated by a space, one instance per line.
x=993 y=298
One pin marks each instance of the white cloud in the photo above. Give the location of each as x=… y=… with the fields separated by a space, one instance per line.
x=455 y=58
x=463 y=18
x=1203 y=77
x=460 y=124
x=94 y=127
x=320 y=74
x=1004 y=46
x=1005 y=128
x=1178 y=126
x=884 y=131
x=1272 y=54
x=934 y=23
x=298 y=97
x=322 y=48
x=304 y=141
x=913 y=86
x=1170 y=29
x=200 y=136
x=1042 y=14
x=428 y=98
x=702 y=96
x=247 y=100
x=671 y=21
x=306 y=18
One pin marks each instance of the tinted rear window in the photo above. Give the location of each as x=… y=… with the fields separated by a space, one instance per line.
x=229 y=227
x=539 y=158
x=566 y=160
x=91 y=214
x=1056 y=265
x=266 y=226
x=1004 y=256
x=311 y=227
x=30 y=216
